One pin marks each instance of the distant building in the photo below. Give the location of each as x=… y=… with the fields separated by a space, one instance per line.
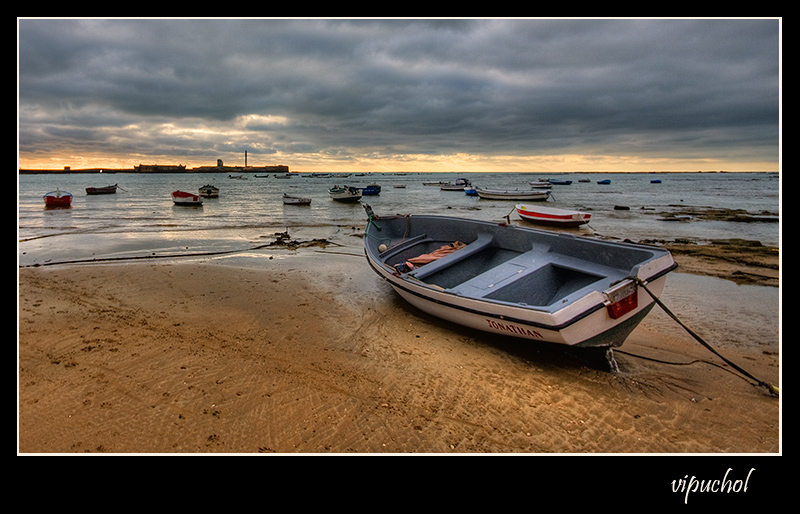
x=160 y=168
x=278 y=168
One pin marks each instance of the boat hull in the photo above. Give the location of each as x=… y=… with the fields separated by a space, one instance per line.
x=209 y=191
x=294 y=200
x=107 y=190
x=58 y=199
x=582 y=333
x=552 y=217
x=345 y=194
x=371 y=190
x=458 y=185
x=531 y=196
x=186 y=199
x=497 y=283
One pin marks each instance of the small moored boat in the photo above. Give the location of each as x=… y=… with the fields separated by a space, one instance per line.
x=58 y=198
x=560 y=182
x=458 y=185
x=295 y=200
x=540 y=184
x=184 y=198
x=345 y=193
x=604 y=181
x=552 y=216
x=371 y=189
x=513 y=194
x=107 y=190
x=517 y=281
x=209 y=191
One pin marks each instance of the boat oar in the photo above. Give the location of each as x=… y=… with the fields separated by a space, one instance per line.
x=772 y=388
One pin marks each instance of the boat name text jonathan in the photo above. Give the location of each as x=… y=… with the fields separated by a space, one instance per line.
x=514 y=329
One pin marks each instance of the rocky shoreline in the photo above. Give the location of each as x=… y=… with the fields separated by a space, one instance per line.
x=739 y=260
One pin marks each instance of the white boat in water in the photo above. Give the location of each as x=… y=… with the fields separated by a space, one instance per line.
x=552 y=216
x=458 y=185
x=513 y=194
x=345 y=193
x=517 y=281
x=295 y=200
x=184 y=198
x=209 y=191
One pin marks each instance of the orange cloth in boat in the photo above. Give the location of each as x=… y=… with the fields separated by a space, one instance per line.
x=436 y=254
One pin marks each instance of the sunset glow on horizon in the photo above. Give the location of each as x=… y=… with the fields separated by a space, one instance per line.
x=401 y=95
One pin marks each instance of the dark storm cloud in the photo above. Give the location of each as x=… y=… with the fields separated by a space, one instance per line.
x=506 y=87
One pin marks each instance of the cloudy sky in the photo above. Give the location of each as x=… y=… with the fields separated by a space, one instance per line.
x=402 y=94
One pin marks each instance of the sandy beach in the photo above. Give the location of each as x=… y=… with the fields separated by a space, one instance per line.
x=304 y=355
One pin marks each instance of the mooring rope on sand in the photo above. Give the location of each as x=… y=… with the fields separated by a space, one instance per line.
x=770 y=387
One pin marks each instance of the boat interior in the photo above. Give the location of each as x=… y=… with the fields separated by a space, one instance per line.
x=547 y=271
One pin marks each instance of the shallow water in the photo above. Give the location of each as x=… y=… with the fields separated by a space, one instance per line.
x=142 y=218
x=724 y=314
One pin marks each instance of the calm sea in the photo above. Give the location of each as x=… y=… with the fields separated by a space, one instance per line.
x=141 y=219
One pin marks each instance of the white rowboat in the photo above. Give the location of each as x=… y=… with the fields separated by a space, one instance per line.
x=552 y=216
x=345 y=193
x=513 y=194
x=184 y=198
x=517 y=281
x=295 y=200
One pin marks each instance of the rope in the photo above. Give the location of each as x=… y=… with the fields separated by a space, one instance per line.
x=371 y=217
x=771 y=388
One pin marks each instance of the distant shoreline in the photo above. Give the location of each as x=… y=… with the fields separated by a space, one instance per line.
x=284 y=169
x=230 y=169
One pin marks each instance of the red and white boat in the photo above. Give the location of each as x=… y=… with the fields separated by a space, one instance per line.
x=58 y=198
x=552 y=216
x=184 y=198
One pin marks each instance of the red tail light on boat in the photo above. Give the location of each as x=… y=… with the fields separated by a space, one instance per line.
x=622 y=299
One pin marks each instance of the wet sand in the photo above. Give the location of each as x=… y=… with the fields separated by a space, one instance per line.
x=304 y=355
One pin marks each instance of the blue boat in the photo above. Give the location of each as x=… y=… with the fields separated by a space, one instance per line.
x=560 y=182
x=606 y=181
x=372 y=189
